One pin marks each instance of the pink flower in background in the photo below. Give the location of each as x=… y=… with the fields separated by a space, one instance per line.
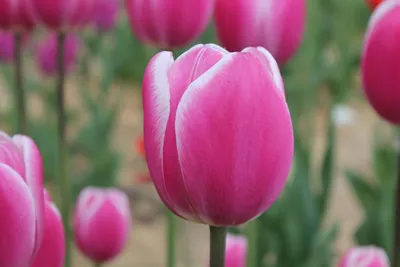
x=276 y=25
x=102 y=223
x=236 y=251
x=46 y=53
x=16 y=15
x=6 y=47
x=21 y=200
x=381 y=61
x=52 y=249
x=209 y=162
x=169 y=23
x=105 y=14
x=365 y=257
x=63 y=14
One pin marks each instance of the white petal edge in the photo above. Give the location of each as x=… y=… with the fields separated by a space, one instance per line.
x=382 y=9
x=274 y=67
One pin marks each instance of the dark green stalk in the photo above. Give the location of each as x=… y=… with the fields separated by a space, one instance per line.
x=19 y=89
x=252 y=235
x=396 y=245
x=171 y=239
x=62 y=145
x=217 y=246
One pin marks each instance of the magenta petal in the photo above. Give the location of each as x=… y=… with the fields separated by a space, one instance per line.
x=52 y=249
x=17 y=223
x=34 y=179
x=236 y=251
x=234 y=138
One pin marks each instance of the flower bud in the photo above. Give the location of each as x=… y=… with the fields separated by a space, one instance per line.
x=366 y=257
x=102 y=223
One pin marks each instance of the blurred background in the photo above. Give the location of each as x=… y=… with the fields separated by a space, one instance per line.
x=340 y=189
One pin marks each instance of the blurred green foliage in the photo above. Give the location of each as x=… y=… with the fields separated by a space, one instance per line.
x=376 y=194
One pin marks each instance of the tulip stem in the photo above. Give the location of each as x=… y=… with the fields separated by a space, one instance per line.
x=171 y=239
x=19 y=89
x=396 y=246
x=96 y=264
x=252 y=234
x=217 y=246
x=62 y=146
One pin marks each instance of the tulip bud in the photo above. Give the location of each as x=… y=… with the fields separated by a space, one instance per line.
x=21 y=200
x=16 y=15
x=6 y=47
x=236 y=251
x=62 y=15
x=381 y=61
x=373 y=3
x=209 y=161
x=169 y=23
x=46 y=53
x=366 y=257
x=52 y=249
x=102 y=223
x=105 y=14
x=276 y=25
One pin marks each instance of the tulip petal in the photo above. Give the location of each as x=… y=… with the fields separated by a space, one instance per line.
x=270 y=63
x=234 y=120
x=52 y=249
x=17 y=221
x=156 y=109
x=11 y=155
x=34 y=179
x=187 y=68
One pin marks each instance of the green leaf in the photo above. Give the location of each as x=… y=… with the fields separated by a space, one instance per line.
x=367 y=195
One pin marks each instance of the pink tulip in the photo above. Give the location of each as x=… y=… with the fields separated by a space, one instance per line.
x=52 y=250
x=16 y=15
x=102 y=223
x=277 y=25
x=217 y=131
x=105 y=14
x=21 y=200
x=46 y=53
x=236 y=251
x=365 y=257
x=381 y=61
x=169 y=23
x=63 y=14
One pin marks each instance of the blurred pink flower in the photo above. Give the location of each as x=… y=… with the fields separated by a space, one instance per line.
x=365 y=257
x=46 y=53
x=62 y=14
x=381 y=61
x=105 y=14
x=276 y=25
x=236 y=251
x=169 y=23
x=102 y=223
x=16 y=15
x=6 y=47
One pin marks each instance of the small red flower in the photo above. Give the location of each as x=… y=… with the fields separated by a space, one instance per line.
x=373 y=3
x=140 y=146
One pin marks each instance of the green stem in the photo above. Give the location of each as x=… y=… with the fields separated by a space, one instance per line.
x=396 y=245
x=171 y=239
x=96 y=264
x=19 y=89
x=217 y=246
x=252 y=235
x=62 y=145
